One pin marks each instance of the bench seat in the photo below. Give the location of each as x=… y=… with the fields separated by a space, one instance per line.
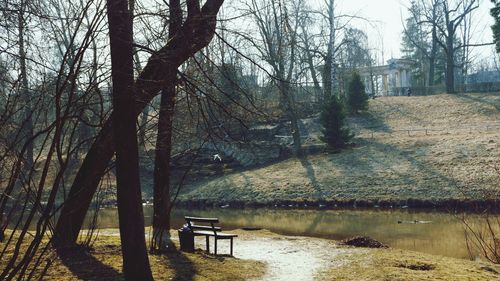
x=209 y=230
x=219 y=235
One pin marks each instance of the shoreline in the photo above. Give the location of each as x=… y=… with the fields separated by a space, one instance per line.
x=442 y=205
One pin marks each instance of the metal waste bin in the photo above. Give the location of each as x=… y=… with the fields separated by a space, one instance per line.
x=186 y=239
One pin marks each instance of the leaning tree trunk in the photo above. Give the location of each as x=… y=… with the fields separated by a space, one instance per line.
x=196 y=32
x=130 y=213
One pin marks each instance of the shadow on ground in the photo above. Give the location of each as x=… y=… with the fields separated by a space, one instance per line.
x=483 y=101
x=184 y=269
x=312 y=176
x=86 y=267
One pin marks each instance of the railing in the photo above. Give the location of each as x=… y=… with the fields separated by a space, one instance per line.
x=378 y=131
x=438 y=89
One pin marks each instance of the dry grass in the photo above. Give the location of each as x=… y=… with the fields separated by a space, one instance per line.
x=392 y=264
x=335 y=262
x=104 y=262
x=454 y=159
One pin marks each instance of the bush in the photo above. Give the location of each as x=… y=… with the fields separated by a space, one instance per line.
x=356 y=97
x=332 y=118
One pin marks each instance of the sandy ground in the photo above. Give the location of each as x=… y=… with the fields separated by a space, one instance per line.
x=304 y=258
x=287 y=258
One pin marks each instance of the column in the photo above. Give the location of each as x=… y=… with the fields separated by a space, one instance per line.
x=404 y=79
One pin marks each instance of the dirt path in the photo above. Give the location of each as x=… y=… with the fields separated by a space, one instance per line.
x=287 y=258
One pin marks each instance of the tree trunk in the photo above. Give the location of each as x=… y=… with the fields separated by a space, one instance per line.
x=142 y=127
x=289 y=103
x=161 y=207
x=327 y=84
x=331 y=49
x=130 y=214
x=432 y=57
x=312 y=67
x=195 y=34
x=84 y=186
x=26 y=119
x=450 y=65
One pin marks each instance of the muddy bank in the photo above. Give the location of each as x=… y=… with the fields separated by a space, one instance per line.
x=447 y=205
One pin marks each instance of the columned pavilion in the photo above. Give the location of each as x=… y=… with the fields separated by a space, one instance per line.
x=392 y=79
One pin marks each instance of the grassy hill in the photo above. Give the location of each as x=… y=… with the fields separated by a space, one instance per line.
x=408 y=151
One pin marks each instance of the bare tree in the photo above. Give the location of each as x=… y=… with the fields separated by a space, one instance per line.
x=279 y=35
x=130 y=214
x=331 y=48
x=310 y=52
x=196 y=32
x=447 y=17
x=33 y=196
x=163 y=152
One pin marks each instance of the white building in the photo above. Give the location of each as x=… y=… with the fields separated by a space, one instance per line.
x=388 y=80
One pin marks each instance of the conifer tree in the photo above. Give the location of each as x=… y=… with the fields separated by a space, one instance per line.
x=495 y=12
x=356 y=97
x=335 y=133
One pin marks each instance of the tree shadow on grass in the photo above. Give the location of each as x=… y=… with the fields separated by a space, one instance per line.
x=312 y=176
x=86 y=267
x=368 y=121
x=483 y=101
x=184 y=269
x=387 y=171
x=417 y=164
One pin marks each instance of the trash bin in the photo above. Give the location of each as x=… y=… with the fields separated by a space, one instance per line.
x=186 y=239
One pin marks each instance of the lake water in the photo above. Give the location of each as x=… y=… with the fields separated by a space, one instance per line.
x=435 y=233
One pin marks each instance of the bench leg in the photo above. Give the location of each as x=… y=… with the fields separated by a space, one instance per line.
x=215 y=249
x=208 y=244
x=231 y=247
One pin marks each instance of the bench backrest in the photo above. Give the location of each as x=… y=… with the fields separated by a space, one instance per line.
x=197 y=223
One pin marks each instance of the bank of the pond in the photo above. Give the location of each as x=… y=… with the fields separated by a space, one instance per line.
x=427 y=231
x=443 y=205
x=420 y=152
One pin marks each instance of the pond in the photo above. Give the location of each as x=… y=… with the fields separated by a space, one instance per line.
x=430 y=232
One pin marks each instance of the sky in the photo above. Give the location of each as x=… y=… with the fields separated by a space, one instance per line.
x=386 y=26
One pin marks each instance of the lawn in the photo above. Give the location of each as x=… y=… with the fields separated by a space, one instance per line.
x=433 y=148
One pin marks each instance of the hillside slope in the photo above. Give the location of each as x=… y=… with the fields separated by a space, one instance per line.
x=432 y=149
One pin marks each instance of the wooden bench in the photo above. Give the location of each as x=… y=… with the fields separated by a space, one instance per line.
x=206 y=227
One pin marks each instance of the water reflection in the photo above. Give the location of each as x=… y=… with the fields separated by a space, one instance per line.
x=444 y=235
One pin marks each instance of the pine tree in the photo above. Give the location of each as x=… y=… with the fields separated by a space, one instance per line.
x=356 y=97
x=495 y=12
x=416 y=44
x=332 y=118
